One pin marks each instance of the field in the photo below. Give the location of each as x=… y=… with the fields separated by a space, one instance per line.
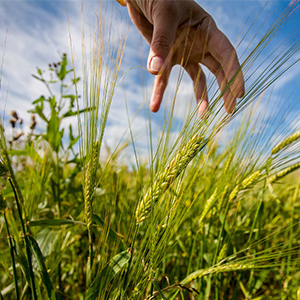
x=202 y=217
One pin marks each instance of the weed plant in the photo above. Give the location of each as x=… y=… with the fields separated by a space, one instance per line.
x=203 y=219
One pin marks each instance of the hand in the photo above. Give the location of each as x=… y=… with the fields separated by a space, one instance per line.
x=181 y=32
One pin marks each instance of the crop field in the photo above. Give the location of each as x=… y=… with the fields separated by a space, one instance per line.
x=206 y=214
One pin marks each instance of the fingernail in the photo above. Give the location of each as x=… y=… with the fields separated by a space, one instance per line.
x=156 y=63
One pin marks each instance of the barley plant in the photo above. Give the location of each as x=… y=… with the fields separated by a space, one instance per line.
x=203 y=217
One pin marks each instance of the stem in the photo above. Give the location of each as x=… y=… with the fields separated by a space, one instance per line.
x=59 y=214
x=11 y=246
x=18 y=195
x=130 y=261
x=91 y=255
x=191 y=255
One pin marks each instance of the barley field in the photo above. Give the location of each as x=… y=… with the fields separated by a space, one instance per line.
x=206 y=214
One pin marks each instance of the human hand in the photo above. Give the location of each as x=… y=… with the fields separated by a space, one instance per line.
x=181 y=32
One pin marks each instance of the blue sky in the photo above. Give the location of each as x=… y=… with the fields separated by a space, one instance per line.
x=35 y=33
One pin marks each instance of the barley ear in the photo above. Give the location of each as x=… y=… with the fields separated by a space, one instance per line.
x=162 y=182
x=88 y=196
x=222 y=198
x=286 y=142
x=250 y=179
x=218 y=269
x=284 y=172
x=222 y=253
x=234 y=193
x=208 y=205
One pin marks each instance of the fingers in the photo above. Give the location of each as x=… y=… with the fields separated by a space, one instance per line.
x=199 y=82
x=228 y=97
x=224 y=53
x=160 y=84
x=164 y=31
x=140 y=22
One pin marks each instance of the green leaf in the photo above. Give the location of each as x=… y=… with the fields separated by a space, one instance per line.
x=12 y=225
x=38 y=109
x=158 y=289
x=63 y=69
x=115 y=265
x=55 y=222
x=54 y=135
x=73 y=142
x=22 y=260
x=75 y=80
x=39 y=100
x=116 y=237
x=71 y=113
x=72 y=100
x=28 y=151
x=41 y=266
x=47 y=238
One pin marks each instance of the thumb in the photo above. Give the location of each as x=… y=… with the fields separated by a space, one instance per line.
x=165 y=23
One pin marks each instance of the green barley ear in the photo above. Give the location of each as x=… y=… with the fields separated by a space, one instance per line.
x=246 y=183
x=90 y=179
x=218 y=269
x=223 y=253
x=250 y=179
x=166 y=177
x=223 y=197
x=156 y=238
x=88 y=196
x=284 y=172
x=234 y=193
x=289 y=140
x=227 y=163
x=208 y=205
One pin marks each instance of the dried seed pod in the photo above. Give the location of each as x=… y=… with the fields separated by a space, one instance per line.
x=33 y=122
x=12 y=122
x=16 y=137
x=14 y=114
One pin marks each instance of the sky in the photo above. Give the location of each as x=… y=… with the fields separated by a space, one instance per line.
x=35 y=33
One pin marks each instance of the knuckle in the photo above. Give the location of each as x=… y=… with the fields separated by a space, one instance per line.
x=161 y=44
